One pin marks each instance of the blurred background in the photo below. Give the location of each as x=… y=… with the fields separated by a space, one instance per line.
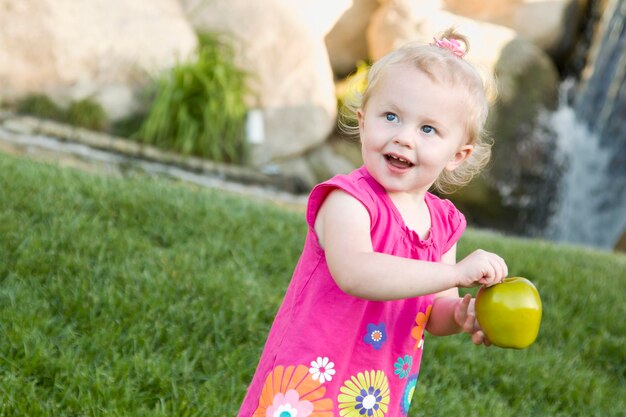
x=258 y=85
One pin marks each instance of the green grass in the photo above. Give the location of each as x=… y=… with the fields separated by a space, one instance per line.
x=149 y=298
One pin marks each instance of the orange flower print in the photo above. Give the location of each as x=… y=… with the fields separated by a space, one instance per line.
x=418 y=331
x=291 y=391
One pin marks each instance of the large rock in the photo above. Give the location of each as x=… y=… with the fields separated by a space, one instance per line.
x=319 y=16
x=102 y=49
x=346 y=41
x=290 y=74
x=508 y=195
x=317 y=165
x=400 y=21
x=547 y=24
x=524 y=172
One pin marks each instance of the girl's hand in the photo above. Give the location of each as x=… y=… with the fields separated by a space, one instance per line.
x=481 y=268
x=465 y=317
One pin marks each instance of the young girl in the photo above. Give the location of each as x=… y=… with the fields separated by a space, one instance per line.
x=378 y=266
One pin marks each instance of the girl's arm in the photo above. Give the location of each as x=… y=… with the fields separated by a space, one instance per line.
x=451 y=314
x=441 y=321
x=343 y=230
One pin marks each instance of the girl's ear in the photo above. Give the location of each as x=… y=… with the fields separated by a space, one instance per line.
x=461 y=155
x=359 y=116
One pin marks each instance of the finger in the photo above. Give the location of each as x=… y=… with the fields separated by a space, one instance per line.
x=477 y=327
x=496 y=269
x=468 y=325
x=471 y=324
x=477 y=338
x=501 y=269
x=460 y=312
x=490 y=277
x=471 y=308
x=467 y=299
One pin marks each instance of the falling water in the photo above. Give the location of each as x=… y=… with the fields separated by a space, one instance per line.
x=592 y=143
x=589 y=212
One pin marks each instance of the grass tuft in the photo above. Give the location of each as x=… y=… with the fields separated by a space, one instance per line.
x=199 y=108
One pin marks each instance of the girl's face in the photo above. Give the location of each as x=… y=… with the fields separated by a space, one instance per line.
x=411 y=129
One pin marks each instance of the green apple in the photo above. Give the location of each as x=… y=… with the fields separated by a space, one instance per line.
x=509 y=313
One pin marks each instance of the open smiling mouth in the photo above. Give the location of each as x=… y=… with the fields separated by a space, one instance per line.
x=398 y=162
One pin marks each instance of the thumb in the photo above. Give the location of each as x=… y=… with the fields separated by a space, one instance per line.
x=461 y=310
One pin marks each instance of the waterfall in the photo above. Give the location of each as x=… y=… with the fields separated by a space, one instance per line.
x=592 y=142
x=589 y=212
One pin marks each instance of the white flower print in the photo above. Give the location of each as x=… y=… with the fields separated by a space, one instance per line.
x=322 y=369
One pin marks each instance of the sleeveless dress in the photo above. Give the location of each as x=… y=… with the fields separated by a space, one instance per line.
x=331 y=354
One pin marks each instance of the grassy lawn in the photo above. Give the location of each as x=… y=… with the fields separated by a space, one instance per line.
x=148 y=298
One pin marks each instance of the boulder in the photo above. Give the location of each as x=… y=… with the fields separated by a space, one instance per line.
x=319 y=16
x=508 y=194
x=346 y=41
x=547 y=24
x=525 y=169
x=398 y=22
x=290 y=73
x=317 y=165
x=102 y=49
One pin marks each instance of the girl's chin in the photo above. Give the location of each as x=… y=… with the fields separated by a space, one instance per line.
x=399 y=184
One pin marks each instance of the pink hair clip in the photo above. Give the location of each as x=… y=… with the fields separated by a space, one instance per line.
x=451 y=45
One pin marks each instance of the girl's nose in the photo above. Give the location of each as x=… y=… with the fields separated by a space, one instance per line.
x=405 y=139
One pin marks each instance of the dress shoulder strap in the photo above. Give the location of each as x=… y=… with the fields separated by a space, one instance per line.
x=358 y=184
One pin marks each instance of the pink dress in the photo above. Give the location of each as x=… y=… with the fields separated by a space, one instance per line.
x=332 y=354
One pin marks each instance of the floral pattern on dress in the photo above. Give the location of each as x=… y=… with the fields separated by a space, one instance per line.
x=407 y=396
x=291 y=391
x=289 y=405
x=322 y=369
x=403 y=366
x=376 y=335
x=418 y=331
x=364 y=394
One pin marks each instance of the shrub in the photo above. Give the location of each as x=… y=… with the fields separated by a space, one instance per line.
x=199 y=106
x=348 y=94
x=86 y=113
x=39 y=105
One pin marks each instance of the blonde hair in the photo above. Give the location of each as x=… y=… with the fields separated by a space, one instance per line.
x=441 y=65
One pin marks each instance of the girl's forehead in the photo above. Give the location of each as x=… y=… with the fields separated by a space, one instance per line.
x=418 y=94
x=405 y=78
x=407 y=75
x=403 y=75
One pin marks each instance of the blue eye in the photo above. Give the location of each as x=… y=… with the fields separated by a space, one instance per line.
x=429 y=130
x=391 y=117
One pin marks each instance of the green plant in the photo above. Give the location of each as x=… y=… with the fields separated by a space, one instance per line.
x=39 y=105
x=348 y=93
x=86 y=113
x=199 y=107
